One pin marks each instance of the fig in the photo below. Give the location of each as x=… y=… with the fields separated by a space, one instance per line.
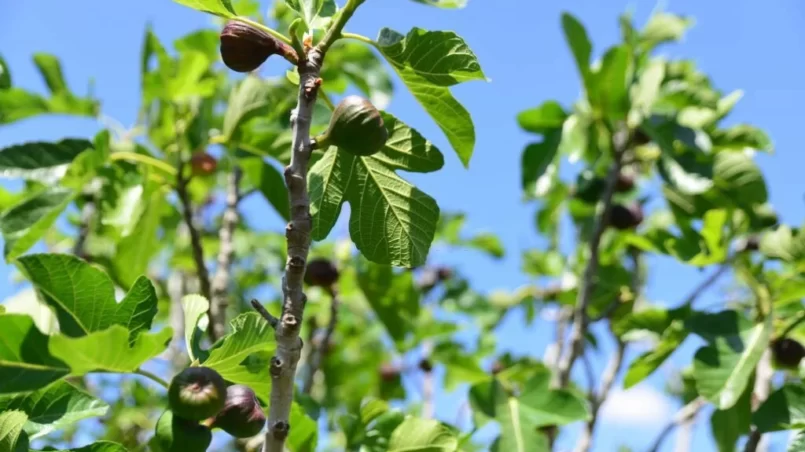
x=640 y=138
x=242 y=415
x=321 y=272
x=425 y=365
x=174 y=434
x=497 y=367
x=244 y=47
x=787 y=353
x=203 y=164
x=197 y=393
x=626 y=217
x=355 y=127
x=389 y=372
x=624 y=183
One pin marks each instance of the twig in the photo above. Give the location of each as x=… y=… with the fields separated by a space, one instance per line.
x=317 y=352
x=289 y=345
x=273 y=321
x=712 y=279
x=428 y=407
x=620 y=141
x=226 y=252
x=195 y=242
x=87 y=217
x=553 y=352
x=685 y=414
x=763 y=377
x=596 y=400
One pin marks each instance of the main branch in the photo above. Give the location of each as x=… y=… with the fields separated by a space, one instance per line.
x=220 y=282
x=580 y=318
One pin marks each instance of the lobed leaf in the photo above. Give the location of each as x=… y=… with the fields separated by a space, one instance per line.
x=26 y=363
x=222 y=8
x=11 y=423
x=41 y=160
x=195 y=309
x=422 y=435
x=26 y=222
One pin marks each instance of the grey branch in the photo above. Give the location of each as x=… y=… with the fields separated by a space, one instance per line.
x=317 y=352
x=685 y=414
x=88 y=214
x=580 y=318
x=219 y=289
x=762 y=389
x=597 y=399
x=273 y=321
x=195 y=242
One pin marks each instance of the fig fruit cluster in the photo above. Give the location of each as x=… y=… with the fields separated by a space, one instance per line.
x=200 y=401
x=356 y=127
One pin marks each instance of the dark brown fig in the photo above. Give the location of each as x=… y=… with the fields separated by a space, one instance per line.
x=203 y=164
x=640 y=138
x=242 y=416
x=626 y=217
x=625 y=182
x=425 y=365
x=244 y=47
x=197 y=393
x=356 y=126
x=175 y=434
x=787 y=353
x=321 y=273
x=444 y=273
x=389 y=372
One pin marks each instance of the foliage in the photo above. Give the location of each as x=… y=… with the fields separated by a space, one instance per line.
x=131 y=222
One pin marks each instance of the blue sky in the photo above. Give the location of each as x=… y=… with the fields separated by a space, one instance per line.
x=747 y=45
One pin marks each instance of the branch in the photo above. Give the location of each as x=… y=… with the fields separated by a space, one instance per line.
x=317 y=352
x=88 y=213
x=226 y=252
x=273 y=321
x=580 y=320
x=596 y=400
x=195 y=242
x=763 y=377
x=685 y=414
x=704 y=285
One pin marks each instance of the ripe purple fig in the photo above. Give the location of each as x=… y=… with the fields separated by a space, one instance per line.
x=625 y=182
x=242 y=415
x=321 y=273
x=626 y=217
x=244 y=47
x=197 y=393
x=787 y=353
x=356 y=127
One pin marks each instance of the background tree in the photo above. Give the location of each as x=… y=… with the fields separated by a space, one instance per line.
x=152 y=216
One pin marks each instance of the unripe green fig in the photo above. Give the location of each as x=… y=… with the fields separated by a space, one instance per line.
x=174 y=434
x=244 y=47
x=197 y=393
x=242 y=416
x=356 y=126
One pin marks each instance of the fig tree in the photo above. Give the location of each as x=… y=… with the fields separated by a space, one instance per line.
x=321 y=273
x=175 y=434
x=197 y=393
x=244 y=47
x=242 y=415
x=787 y=353
x=356 y=127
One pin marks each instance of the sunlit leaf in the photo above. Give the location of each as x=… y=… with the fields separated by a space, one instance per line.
x=24 y=224
x=269 y=182
x=11 y=423
x=40 y=160
x=446 y=4
x=25 y=360
x=195 y=309
x=222 y=8
x=783 y=410
x=422 y=435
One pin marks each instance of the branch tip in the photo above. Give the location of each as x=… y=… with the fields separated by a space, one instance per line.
x=273 y=321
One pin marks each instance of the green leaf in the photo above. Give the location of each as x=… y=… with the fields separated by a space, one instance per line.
x=664 y=27
x=270 y=182
x=40 y=160
x=723 y=369
x=50 y=69
x=645 y=364
x=314 y=12
x=580 y=46
x=536 y=159
x=422 y=435
x=545 y=118
x=26 y=222
x=611 y=87
x=109 y=350
x=460 y=367
x=391 y=222
x=25 y=360
x=784 y=244
x=541 y=406
x=304 y=436
x=516 y=432
x=798 y=443
x=393 y=297
x=445 y=4
x=195 y=309
x=222 y=8
x=54 y=407
x=255 y=97
x=742 y=137
x=5 y=74
x=645 y=92
x=429 y=62
x=64 y=281
x=135 y=250
x=98 y=446
x=11 y=423
x=250 y=335
x=488 y=243
x=783 y=410
x=737 y=175
x=728 y=425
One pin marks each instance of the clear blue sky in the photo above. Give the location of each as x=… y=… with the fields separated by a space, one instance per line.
x=754 y=46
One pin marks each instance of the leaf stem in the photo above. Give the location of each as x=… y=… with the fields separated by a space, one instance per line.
x=150 y=161
x=268 y=30
x=357 y=37
x=685 y=414
x=151 y=376
x=334 y=33
x=793 y=324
